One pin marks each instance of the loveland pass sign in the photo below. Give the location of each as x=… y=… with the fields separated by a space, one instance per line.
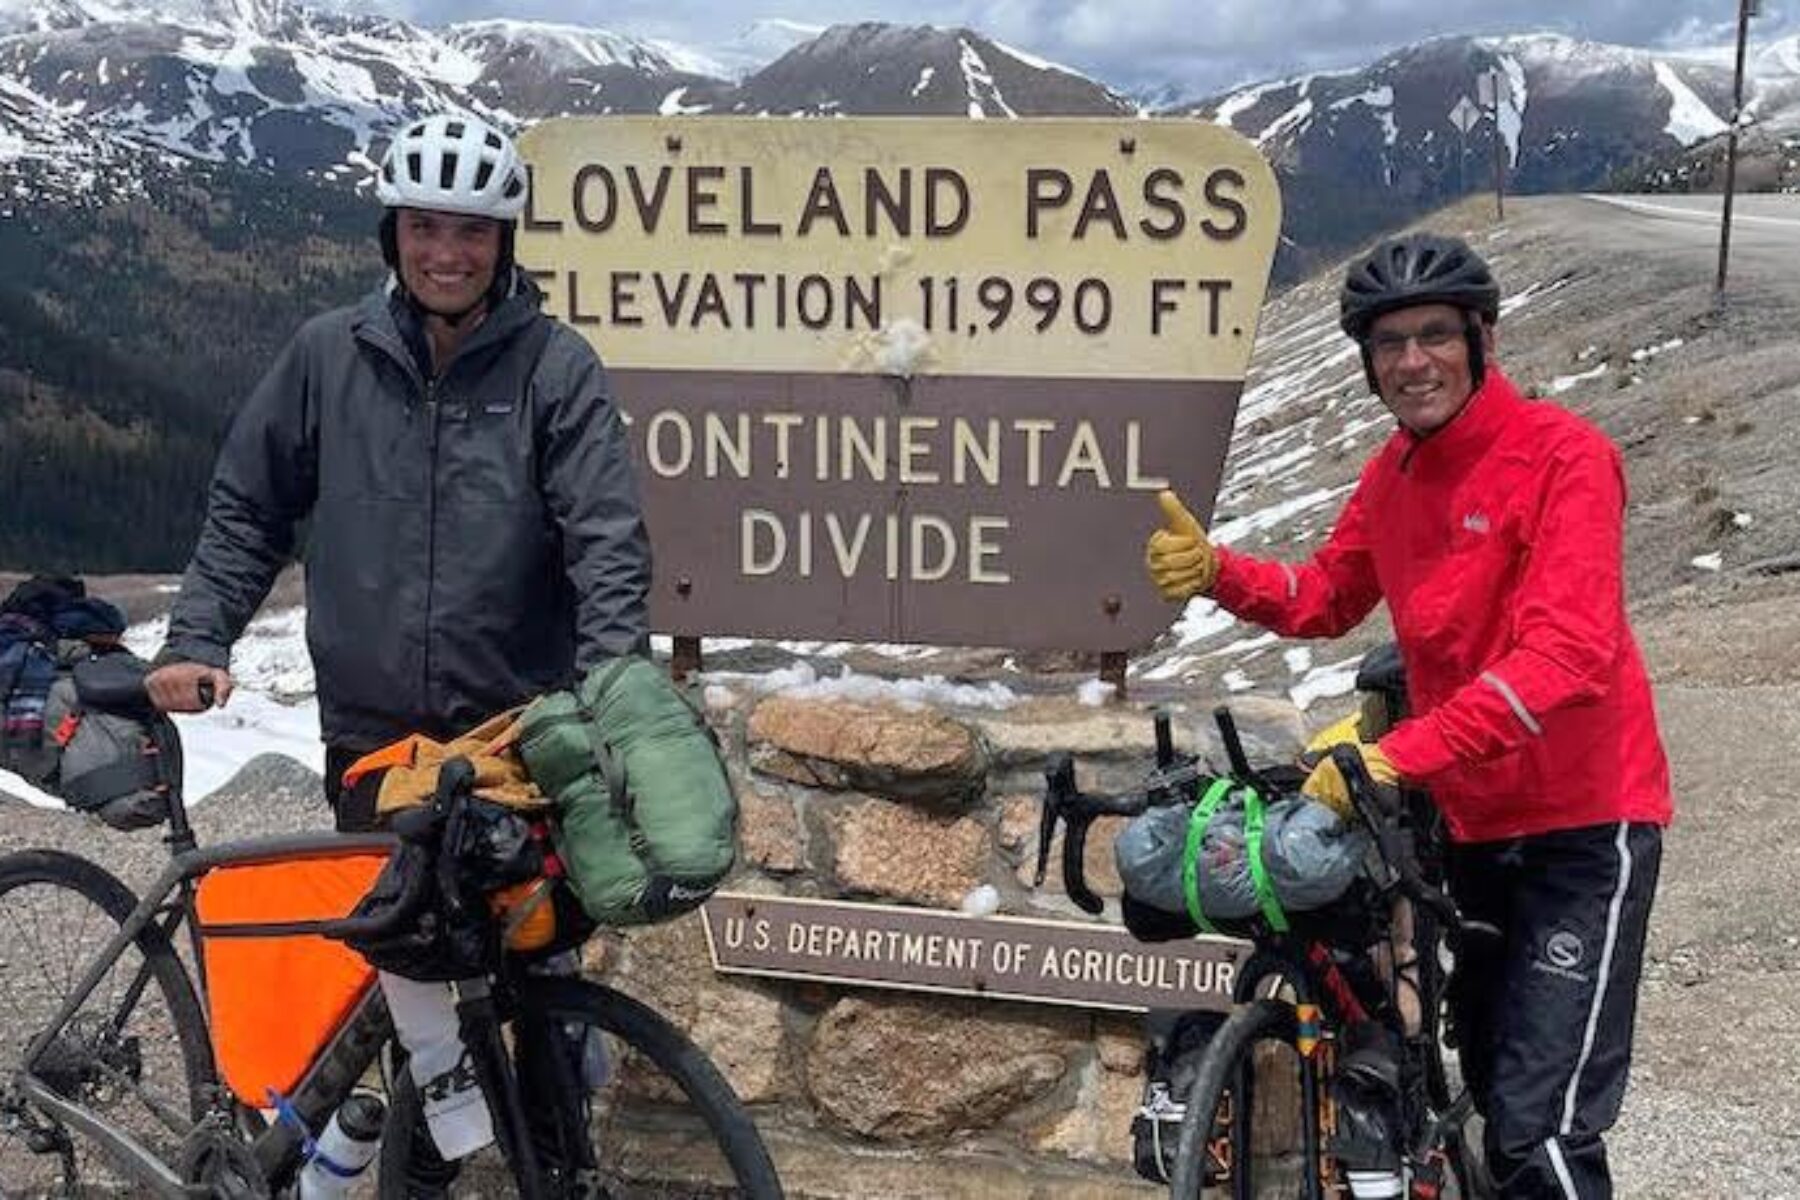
x=903 y=379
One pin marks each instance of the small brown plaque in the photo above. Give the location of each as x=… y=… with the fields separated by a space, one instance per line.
x=1012 y=958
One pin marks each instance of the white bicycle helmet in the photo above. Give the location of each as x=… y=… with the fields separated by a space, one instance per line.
x=453 y=162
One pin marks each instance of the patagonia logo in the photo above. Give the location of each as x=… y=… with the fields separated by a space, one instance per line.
x=497 y=408
x=1475 y=522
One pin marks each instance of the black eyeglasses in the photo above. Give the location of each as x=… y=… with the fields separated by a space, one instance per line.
x=1433 y=338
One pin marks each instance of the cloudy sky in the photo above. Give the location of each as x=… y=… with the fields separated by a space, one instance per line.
x=1196 y=44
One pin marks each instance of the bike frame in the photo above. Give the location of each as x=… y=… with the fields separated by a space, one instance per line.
x=173 y=895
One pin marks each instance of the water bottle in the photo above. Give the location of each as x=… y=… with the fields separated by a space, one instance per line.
x=1375 y=1185
x=456 y=1111
x=345 y=1149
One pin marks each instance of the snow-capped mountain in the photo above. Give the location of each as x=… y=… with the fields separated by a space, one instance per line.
x=1361 y=149
x=890 y=70
x=89 y=88
x=755 y=46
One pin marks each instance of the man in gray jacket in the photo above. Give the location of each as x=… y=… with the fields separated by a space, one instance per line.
x=473 y=531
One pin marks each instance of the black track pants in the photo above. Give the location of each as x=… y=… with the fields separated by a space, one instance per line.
x=1544 y=1012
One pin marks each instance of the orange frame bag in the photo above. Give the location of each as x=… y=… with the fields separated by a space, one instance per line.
x=275 y=998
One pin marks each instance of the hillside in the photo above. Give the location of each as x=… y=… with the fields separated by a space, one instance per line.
x=180 y=183
x=125 y=335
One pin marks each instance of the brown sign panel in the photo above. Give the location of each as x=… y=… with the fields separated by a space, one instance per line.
x=911 y=380
x=1013 y=958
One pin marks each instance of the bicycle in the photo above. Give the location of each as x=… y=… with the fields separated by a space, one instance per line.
x=1302 y=989
x=108 y=1077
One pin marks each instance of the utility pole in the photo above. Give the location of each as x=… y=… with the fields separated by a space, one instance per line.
x=1746 y=10
x=1492 y=90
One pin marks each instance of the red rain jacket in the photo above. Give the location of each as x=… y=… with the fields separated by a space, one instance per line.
x=1497 y=543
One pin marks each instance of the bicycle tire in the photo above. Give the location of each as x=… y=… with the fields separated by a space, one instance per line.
x=642 y=1031
x=1444 y=1081
x=45 y=954
x=1222 y=1068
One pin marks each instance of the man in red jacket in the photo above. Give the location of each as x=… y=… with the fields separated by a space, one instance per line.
x=1493 y=528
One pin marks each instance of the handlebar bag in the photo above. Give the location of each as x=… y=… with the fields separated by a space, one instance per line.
x=1239 y=857
x=275 y=992
x=647 y=818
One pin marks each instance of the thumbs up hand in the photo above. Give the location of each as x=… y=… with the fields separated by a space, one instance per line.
x=1181 y=561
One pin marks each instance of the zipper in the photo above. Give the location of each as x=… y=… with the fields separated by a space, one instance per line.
x=431 y=532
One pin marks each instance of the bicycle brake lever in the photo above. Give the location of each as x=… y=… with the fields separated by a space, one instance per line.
x=1059 y=796
x=1059 y=783
x=1363 y=798
x=1074 y=876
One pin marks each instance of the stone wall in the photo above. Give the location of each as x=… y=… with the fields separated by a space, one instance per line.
x=865 y=1092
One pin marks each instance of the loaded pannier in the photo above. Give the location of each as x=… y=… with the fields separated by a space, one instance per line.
x=647 y=819
x=76 y=721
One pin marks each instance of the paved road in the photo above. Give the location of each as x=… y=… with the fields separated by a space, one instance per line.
x=1765 y=231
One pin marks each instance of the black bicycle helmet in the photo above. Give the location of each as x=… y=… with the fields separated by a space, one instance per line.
x=1417 y=268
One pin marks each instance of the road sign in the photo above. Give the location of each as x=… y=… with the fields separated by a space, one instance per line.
x=1000 y=958
x=1464 y=115
x=909 y=380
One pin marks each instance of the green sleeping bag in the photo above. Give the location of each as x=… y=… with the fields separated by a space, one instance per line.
x=647 y=816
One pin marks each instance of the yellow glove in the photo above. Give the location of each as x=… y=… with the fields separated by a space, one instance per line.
x=1181 y=562
x=1326 y=784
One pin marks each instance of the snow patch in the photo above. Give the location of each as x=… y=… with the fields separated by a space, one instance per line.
x=1690 y=120
x=1322 y=683
x=804 y=681
x=1563 y=383
x=1380 y=99
x=1290 y=119
x=672 y=105
x=979 y=82
x=1646 y=353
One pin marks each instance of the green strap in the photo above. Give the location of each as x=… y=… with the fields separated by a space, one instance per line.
x=1190 y=855
x=1259 y=874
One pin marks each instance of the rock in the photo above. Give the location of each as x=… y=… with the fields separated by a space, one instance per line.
x=819 y=1166
x=769 y=832
x=736 y=1021
x=1026 y=734
x=1119 y=1041
x=885 y=749
x=919 y=1069
x=1115 y=745
x=271 y=793
x=900 y=853
x=1017 y=833
x=1097 y=1128
x=740 y=1027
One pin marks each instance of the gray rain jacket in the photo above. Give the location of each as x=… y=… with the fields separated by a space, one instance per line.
x=472 y=540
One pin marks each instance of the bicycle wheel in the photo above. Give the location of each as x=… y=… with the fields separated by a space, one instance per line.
x=663 y=1124
x=135 y=1054
x=1444 y=1084
x=1234 y=1068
